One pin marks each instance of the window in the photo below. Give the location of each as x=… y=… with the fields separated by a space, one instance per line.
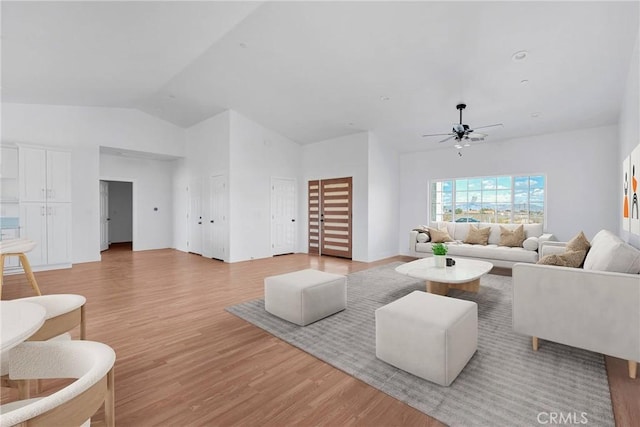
x=496 y=199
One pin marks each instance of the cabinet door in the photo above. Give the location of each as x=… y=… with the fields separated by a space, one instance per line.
x=8 y=174
x=58 y=233
x=8 y=163
x=33 y=174
x=33 y=223
x=58 y=176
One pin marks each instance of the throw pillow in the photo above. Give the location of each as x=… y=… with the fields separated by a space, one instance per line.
x=478 y=236
x=530 y=244
x=423 y=237
x=578 y=243
x=512 y=238
x=439 y=236
x=568 y=259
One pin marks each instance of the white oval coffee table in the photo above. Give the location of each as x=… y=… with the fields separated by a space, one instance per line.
x=465 y=275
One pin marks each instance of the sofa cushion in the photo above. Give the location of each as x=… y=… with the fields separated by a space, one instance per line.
x=567 y=259
x=492 y=252
x=530 y=243
x=512 y=238
x=478 y=236
x=439 y=236
x=610 y=253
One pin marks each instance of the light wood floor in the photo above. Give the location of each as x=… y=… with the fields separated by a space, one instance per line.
x=184 y=361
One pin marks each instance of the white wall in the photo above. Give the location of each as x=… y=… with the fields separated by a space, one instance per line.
x=120 y=212
x=256 y=154
x=629 y=131
x=83 y=130
x=384 y=182
x=581 y=169
x=338 y=158
x=152 y=184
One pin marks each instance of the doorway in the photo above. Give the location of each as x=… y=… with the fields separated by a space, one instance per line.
x=116 y=214
x=283 y=216
x=330 y=213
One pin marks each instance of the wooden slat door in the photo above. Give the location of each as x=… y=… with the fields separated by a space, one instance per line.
x=314 y=217
x=335 y=217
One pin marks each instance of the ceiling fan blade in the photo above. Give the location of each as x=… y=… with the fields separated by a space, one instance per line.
x=439 y=134
x=489 y=126
x=446 y=139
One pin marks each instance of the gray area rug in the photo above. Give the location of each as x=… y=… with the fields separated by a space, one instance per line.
x=505 y=383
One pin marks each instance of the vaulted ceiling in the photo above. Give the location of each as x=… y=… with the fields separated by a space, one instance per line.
x=316 y=70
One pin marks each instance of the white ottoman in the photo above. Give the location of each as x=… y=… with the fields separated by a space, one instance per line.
x=427 y=335
x=305 y=296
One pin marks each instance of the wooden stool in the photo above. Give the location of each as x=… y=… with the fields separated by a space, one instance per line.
x=18 y=247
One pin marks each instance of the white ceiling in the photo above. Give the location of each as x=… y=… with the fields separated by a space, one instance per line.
x=317 y=70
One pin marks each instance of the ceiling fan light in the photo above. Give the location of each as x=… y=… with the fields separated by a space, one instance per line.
x=458 y=146
x=467 y=144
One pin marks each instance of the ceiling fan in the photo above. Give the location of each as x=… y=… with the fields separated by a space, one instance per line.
x=462 y=134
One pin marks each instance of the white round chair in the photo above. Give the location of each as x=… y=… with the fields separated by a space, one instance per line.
x=63 y=313
x=89 y=362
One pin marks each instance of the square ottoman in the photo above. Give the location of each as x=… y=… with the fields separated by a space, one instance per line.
x=305 y=296
x=430 y=336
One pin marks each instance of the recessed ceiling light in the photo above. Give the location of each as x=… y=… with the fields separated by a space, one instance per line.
x=384 y=98
x=524 y=82
x=520 y=56
x=536 y=114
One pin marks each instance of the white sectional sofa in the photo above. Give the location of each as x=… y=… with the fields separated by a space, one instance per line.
x=499 y=256
x=596 y=308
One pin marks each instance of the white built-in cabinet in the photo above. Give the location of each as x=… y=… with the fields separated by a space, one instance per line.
x=45 y=175
x=45 y=204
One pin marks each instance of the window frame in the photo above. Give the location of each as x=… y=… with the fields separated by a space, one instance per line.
x=431 y=204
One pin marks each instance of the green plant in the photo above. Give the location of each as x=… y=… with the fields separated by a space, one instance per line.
x=439 y=249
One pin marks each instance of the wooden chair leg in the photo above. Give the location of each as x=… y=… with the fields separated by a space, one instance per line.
x=24 y=391
x=27 y=269
x=1 y=275
x=83 y=323
x=633 y=369
x=110 y=401
x=534 y=342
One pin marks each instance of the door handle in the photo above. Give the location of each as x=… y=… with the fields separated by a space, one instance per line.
x=293 y=220
x=199 y=222
x=211 y=221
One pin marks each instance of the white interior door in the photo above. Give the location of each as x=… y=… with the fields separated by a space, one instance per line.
x=194 y=218
x=217 y=226
x=104 y=215
x=283 y=215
